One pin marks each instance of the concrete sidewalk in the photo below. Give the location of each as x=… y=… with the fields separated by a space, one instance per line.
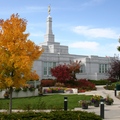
x=111 y=112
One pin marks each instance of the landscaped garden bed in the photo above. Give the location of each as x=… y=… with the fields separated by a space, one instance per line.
x=47 y=90
x=71 y=86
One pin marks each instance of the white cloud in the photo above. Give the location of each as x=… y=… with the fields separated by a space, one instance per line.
x=94 y=48
x=85 y=45
x=96 y=32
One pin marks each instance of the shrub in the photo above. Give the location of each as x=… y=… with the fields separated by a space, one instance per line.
x=85 y=84
x=6 y=94
x=54 y=90
x=109 y=100
x=17 y=89
x=95 y=98
x=58 y=84
x=81 y=84
x=83 y=103
x=110 y=87
x=71 y=83
x=47 y=90
x=31 y=88
x=112 y=80
x=25 y=88
x=48 y=82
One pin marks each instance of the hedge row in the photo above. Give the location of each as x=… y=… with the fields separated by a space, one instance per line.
x=103 y=82
x=53 y=115
x=99 y=82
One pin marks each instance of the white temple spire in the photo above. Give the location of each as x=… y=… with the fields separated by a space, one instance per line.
x=49 y=37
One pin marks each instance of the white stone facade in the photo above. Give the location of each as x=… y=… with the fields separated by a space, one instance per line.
x=93 y=67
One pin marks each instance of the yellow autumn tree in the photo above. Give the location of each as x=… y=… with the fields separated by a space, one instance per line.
x=17 y=54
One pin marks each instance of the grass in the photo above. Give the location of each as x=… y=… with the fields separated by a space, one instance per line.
x=55 y=101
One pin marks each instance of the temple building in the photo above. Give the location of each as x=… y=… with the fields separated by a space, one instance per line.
x=92 y=67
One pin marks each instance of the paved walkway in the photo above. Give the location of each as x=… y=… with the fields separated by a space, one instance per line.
x=111 y=112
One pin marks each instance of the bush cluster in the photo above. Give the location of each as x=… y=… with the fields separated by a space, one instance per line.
x=112 y=80
x=48 y=82
x=85 y=84
x=103 y=81
x=81 y=84
x=99 y=82
x=53 y=115
x=110 y=87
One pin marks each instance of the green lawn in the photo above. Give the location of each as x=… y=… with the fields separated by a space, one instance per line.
x=55 y=101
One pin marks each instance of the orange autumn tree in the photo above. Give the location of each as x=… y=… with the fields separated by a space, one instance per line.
x=17 y=54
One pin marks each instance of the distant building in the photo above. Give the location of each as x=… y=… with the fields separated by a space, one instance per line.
x=92 y=67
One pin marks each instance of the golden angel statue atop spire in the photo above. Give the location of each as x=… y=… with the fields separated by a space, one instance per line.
x=49 y=9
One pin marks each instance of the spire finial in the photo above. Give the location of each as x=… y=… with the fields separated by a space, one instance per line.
x=49 y=9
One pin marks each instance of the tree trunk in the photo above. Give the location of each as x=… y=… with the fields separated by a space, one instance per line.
x=10 y=102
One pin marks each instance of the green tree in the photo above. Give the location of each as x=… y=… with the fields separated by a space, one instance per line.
x=17 y=54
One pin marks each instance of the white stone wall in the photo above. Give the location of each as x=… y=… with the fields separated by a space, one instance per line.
x=91 y=64
x=21 y=93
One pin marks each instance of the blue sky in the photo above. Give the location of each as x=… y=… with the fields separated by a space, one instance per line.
x=88 y=27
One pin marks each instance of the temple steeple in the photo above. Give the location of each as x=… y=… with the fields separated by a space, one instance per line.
x=49 y=37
